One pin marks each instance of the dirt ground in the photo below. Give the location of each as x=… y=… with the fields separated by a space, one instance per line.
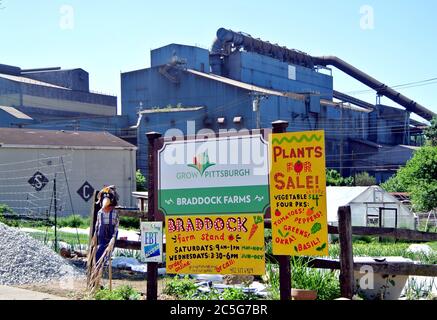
x=76 y=290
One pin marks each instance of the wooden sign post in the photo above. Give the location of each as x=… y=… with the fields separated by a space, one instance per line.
x=152 y=267
x=284 y=261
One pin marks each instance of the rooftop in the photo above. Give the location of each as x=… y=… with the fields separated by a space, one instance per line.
x=172 y=109
x=30 y=81
x=15 y=113
x=52 y=139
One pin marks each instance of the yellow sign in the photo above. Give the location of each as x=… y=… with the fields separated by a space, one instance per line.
x=298 y=194
x=225 y=244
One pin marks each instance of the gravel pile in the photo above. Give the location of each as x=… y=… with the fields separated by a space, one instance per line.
x=24 y=260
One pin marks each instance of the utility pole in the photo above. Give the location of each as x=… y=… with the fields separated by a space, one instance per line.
x=256 y=107
x=55 y=196
x=341 y=138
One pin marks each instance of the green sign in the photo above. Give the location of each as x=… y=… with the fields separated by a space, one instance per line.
x=215 y=176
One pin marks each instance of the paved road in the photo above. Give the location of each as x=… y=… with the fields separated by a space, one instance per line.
x=10 y=293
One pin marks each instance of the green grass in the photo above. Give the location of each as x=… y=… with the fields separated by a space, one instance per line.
x=74 y=221
x=74 y=241
x=433 y=245
x=385 y=250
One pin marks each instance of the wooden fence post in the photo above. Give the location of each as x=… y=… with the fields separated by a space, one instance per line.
x=284 y=261
x=346 y=252
x=152 y=267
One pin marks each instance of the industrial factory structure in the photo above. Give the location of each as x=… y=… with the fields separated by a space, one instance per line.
x=242 y=82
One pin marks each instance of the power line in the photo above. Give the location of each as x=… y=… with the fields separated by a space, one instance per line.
x=399 y=86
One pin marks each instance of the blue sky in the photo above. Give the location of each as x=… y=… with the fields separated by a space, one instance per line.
x=108 y=37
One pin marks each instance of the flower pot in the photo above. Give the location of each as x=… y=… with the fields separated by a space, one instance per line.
x=376 y=286
x=301 y=294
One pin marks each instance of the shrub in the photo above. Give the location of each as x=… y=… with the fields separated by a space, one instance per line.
x=121 y=293
x=74 y=221
x=237 y=294
x=334 y=178
x=418 y=178
x=186 y=289
x=141 y=181
x=130 y=223
x=364 y=179
x=179 y=287
x=5 y=210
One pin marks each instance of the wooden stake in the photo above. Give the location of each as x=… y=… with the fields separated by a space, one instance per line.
x=152 y=267
x=346 y=252
x=110 y=273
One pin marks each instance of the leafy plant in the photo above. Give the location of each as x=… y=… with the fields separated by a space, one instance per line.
x=186 y=289
x=326 y=282
x=431 y=133
x=302 y=277
x=141 y=181
x=237 y=294
x=334 y=178
x=212 y=294
x=272 y=280
x=416 y=290
x=418 y=177
x=180 y=287
x=120 y=293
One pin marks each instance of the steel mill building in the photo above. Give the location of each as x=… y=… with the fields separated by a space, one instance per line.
x=241 y=82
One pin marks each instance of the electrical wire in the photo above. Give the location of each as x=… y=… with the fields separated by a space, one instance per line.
x=403 y=86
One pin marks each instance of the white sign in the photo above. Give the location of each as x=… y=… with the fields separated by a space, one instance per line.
x=216 y=175
x=151 y=241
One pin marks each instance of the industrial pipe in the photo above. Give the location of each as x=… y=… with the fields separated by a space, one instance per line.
x=40 y=70
x=226 y=38
x=376 y=85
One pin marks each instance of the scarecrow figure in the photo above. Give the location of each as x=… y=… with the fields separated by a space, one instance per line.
x=105 y=235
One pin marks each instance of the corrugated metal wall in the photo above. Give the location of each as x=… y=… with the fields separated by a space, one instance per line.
x=72 y=168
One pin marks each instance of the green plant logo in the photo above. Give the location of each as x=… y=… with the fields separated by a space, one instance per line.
x=201 y=163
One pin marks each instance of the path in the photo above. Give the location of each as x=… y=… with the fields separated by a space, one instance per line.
x=10 y=293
